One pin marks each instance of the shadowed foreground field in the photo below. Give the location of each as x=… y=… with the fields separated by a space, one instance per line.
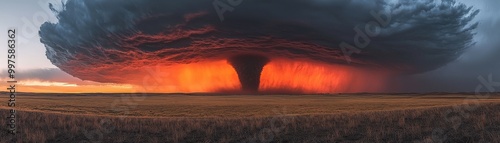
x=357 y=118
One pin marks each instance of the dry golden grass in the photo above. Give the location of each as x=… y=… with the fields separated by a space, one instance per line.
x=159 y=105
x=277 y=119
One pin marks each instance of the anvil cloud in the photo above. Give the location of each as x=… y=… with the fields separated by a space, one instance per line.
x=115 y=41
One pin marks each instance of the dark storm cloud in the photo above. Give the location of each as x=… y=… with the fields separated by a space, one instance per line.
x=94 y=39
x=464 y=74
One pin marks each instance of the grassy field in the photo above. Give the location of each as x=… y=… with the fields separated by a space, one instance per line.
x=240 y=118
x=158 y=105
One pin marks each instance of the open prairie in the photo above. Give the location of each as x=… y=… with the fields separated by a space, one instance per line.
x=200 y=105
x=255 y=118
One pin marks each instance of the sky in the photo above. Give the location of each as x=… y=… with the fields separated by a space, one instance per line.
x=35 y=72
x=480 y=61
x=40 y=75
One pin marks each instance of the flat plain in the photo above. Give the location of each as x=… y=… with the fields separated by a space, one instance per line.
x=255 y=118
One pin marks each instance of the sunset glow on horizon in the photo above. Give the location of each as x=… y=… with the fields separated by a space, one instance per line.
x=278 y=76
x=38 y=86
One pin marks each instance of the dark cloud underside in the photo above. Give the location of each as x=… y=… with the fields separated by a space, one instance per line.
x=94 y=39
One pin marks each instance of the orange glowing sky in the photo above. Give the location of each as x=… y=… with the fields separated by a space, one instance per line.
x=278 y=76
x=38 y=86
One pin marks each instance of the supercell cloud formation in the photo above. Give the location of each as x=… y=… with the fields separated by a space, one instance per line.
x=114 y=40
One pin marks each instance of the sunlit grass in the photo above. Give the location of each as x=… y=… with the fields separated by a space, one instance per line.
x=315 y=118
